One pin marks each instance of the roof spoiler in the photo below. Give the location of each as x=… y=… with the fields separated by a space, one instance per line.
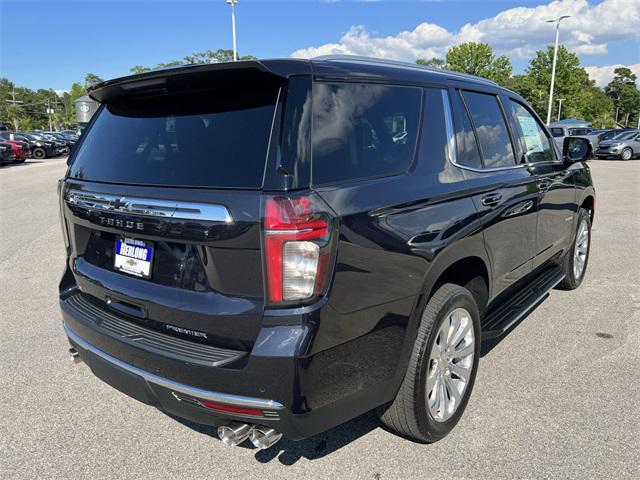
x=160 y=80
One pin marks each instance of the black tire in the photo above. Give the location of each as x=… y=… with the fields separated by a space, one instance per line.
x=39 y=153
x=571 y=280
x=626 y=152
x=409 y=415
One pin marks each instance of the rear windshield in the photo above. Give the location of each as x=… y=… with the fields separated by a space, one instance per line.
x=557 y=132
x=213 y=138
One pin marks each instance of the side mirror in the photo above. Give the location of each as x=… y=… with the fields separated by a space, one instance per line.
x=576 y=149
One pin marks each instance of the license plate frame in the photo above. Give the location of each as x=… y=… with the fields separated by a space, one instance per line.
x=127 y=257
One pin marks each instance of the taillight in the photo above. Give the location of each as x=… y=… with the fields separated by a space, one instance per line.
x=298 y=250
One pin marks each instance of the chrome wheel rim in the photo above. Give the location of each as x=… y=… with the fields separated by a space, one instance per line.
x=450 y=364
x=626 y=154
x=581 y=250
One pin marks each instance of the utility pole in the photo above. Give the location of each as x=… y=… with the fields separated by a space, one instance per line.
x=555 y=59
x=49 y=112
x=15 y=103
x=560 y=107
x=233 y=27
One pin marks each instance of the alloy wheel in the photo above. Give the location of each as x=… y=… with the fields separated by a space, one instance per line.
x=626 y=154
x=581 y=250
x=450 y=364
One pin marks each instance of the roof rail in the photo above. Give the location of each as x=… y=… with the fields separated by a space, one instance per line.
x=398 y=63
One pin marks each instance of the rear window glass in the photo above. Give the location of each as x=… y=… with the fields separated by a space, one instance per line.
x=363 y=130
x=467 y=146
x=557 y=132
x=216 y=138
x=491 y=129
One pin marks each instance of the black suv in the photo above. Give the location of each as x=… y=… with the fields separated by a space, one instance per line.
x=276 y=247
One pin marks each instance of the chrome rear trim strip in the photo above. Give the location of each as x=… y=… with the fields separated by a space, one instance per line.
x=227 y=399
x=149 y=207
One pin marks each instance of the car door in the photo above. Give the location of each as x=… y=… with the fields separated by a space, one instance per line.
x=505 y=194
x=557 y=203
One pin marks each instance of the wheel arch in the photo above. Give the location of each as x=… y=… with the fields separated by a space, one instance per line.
x=589 y=204
x=460 y=264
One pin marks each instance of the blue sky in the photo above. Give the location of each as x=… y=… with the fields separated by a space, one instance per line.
x=53 y=43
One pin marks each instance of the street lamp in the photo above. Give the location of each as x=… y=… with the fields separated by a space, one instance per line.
x=560 y=100
x=555 y=58
x=233 y=27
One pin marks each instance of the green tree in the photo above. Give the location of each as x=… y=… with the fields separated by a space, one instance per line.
x=433 y=62
x=571 y=81
x=210 y=56
x=478 y=59
x=622 y=90
x=91 y=79
x=595 y=106
x=139 y=69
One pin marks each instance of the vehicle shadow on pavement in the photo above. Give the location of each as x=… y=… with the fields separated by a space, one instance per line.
x=288 y=452
x=23 y=164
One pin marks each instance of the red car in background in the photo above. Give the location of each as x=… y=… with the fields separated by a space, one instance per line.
x=20 y=149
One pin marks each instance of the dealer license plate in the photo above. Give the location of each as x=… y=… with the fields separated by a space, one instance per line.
x=134 y=257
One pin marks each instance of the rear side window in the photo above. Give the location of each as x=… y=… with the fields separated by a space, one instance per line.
x=557 y=132
x=467 y=146
x=363 y=130
x=491 y=129
x=215 y=138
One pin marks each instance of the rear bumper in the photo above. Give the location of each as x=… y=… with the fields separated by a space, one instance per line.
x=299 y=396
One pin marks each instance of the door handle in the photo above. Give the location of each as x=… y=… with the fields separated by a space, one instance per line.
x=491 y=200
x=544 y=186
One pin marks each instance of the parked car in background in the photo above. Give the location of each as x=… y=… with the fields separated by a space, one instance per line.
x=625 y=146
x=20 y=149
x=609 y=133
x=61 y=147
x=6 y=153
x=274 y=295
x=560 y=131
x=68 y=140
x=39 y=148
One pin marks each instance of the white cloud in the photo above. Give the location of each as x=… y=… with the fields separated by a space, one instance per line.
x=603 y=75
x=518 y=32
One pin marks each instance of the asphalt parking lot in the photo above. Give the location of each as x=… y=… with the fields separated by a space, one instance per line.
x=558 y=397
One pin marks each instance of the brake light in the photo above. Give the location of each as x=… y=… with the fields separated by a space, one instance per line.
x=297 y=248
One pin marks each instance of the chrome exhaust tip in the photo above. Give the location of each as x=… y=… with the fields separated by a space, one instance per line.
x=264 y=437
x=74 y=356
x=234 y=433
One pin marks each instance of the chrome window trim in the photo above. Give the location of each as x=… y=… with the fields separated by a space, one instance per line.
x=451 y=141
x=149 y=207
x=152 y=378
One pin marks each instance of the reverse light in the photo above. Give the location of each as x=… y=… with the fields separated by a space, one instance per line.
x=297 y=240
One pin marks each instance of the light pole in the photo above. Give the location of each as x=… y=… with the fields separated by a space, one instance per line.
x=560 y=107
x=233 y=27
x=555 y=58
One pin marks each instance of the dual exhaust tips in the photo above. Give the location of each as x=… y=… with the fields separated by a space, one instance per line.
x=235 y=433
